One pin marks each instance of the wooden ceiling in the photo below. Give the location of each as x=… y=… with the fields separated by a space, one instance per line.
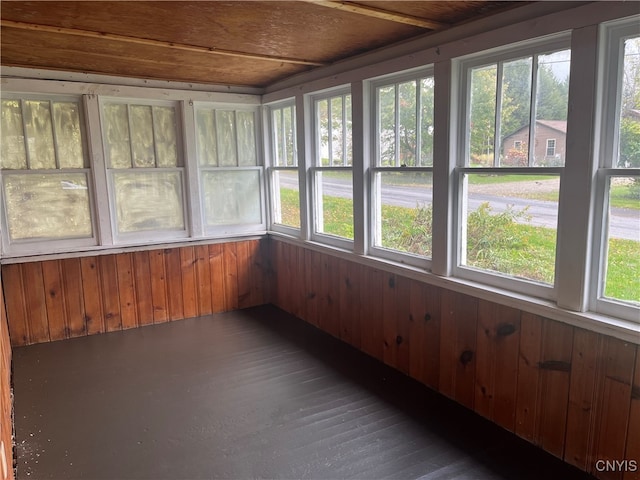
x=244 y=43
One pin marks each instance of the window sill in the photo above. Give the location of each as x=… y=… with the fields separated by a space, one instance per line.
x=625 y=330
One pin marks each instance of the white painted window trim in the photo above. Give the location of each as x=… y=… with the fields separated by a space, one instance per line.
x=611 y=36
x=374 y=169
x=313 y=168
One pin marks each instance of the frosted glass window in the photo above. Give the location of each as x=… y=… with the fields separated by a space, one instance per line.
x=206 y=138
x=14 y=155
x=148 y=200
x=66 y=119
x=246 y=139
x=44 y=206
x=116 y=135
x=225 y=130
x=231 y=197
x=165 y=136
x=39 y=133
x=141 y=127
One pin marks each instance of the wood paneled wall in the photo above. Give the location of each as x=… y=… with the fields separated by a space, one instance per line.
x=573 y=392
x=58 y=299
x=6 y=404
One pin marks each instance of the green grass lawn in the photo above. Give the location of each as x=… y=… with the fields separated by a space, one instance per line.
x=502 y=245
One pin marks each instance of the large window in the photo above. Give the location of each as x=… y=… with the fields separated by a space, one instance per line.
x=617 y=253
x=146 y=175
x=285 y=191
x=332 y=171
x=402 y=174
x=508 y=195
x=46 y=180
x=230 y=176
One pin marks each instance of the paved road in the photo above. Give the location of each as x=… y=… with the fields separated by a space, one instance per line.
x=625 y=222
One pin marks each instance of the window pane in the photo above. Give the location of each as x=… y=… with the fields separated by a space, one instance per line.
x=289 y=126
x=482 y=116
x=279 y=144
x=426 y=122
x=348 y=141
x=246 y=139
x=337 y=138
x=148 y=200
x=66 y=118
x=335 y=204
x=231 y=198
x=142 y=136
x=164 y=127
x=404 y=212
x=225 y=130
x=622 y=281
x=552 y=100
x=322 y=131
x=13 y=152
x=116 y=135
x=52 y=205
x=515 y=113
x=408 y=123
x=287 y=200
x=511 y=225
x=387 y=126
x=207 y=145
x=629 y=151
x=37 y=122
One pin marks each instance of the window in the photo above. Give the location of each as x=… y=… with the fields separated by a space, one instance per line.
x=508 y=198
x=146 y=174
x=285 y=191
x=46 y=180
x=517 y=145
x=617 y=249
x=402 y=174
x=551 y=147
x=332 y=170
x=230 y=175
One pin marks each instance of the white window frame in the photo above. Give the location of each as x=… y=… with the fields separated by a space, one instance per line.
x=374 y=190
x=58 y=244
x=611 y=36
x=150 y=236
x=315 y=198
x=215 y=231
x=463 y=67
x=273 y=168
x=550 y=141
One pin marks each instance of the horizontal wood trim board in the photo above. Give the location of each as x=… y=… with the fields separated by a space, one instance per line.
x=570 y=391
x=65 y=298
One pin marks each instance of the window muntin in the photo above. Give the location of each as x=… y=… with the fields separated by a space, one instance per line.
x=145 y=167
x=230 y=175
x=46 y=180
x=285 y=184
x=617 y=291
x=331 y=174
x=402 y=173
x=508 y=197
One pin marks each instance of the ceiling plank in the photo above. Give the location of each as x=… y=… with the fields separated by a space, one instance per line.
x=380 y=14
x=150 y=42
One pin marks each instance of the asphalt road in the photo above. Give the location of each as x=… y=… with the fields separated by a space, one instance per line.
x=624 y=222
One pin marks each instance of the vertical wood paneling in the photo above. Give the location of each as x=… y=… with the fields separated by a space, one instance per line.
x=633 y=434
x=313 y=264
x=529 y=376
x=56 y=317
x=555 y=367
x=189 y=282
x=389 y=320
x=126 y=290
x=110 y=295
x=459 y=314
x=230 y=265
x=144 y=290
x=244 y=274
x=216 y=267
x=371 y=326
x=173 y=271
x=36 y=303
x=158 y=287
x=614 y=403
x=584 y=361
x=6 y=417
x=497 y=363
x=92 y=295
x=299 y=278
x=74 y=302
x=424 y=334
x=15 y=305
x=203 y=275
x=350 y=284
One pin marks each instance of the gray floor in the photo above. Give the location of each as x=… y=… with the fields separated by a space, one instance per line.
x=248 y=394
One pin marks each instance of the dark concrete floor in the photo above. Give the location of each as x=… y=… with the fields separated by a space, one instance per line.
x=248 y=394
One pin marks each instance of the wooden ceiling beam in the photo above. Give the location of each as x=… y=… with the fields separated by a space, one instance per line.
x=153 y=43
x=380 y=14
